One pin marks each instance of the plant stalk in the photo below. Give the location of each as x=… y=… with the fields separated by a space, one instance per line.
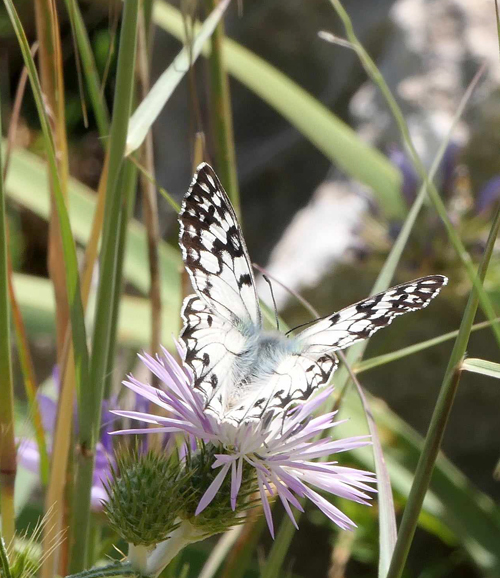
x=8 y=454
x=90 y=399
x=222 y=117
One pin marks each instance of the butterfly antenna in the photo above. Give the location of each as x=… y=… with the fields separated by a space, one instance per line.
x=268 y=281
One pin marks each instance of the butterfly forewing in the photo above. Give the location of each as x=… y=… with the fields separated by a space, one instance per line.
x=363 y=319
x=214 y=251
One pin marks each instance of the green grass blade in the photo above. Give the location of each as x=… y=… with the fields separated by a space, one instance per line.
x=69 y=250
x=8 y=454
x=128 y=185
x=89 y=68
x=36 y=300
x=439 y=418
x=149 y=109
x=387 y=513
x=27 y=185
x=90 y=397
x=482 y=366
x=411 y=349
x=222 y=116
x=384 y=278
x=471 y=516
x=323 y=129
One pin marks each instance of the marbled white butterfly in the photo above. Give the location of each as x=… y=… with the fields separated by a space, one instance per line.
x=243 y=371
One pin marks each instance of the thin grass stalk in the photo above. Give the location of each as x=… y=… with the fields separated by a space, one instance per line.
x=89 y=68
x=128 y=184
x=150 y=204
x=23 y=349
x=51 y=78
x=439 y=418
x=55 y=498
x=433 y=193
x=69 y=250
x=8 y=454
x=379 y=360
x=91 y=397
x=387 y=515
x=16 y=112
x=29 y=378
x=222 y=116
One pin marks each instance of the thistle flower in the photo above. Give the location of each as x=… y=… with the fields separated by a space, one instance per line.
x=279 y=451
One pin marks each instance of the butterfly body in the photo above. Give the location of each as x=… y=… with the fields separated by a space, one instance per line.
x=242 y=371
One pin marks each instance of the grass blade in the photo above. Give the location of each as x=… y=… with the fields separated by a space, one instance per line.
x=411 y=349
x=89 y=68
x=439 y=418
x=26 y=184
x=386 y=510
x=90 y=398
x=222 y=116
x=324 y=130
x=149 y=109
x=69 y=251
x=482 y=366
x=8 y=454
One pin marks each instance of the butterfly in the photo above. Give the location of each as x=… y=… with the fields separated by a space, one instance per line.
x=243 y=371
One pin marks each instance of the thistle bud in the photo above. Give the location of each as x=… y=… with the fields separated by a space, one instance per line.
x=145 y=493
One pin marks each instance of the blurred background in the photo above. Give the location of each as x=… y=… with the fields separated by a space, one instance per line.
x=313 y=226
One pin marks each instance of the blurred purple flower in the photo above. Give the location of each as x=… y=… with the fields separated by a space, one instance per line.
x=410 y=178
x=488 y=194
x=29 y=456
x=280 y=449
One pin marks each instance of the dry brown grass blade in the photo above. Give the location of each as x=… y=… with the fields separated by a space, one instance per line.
x=51 y=77
x=62 y=435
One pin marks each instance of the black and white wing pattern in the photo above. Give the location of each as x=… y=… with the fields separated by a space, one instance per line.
x=225 y=309
x=214 y=251
x=363 y=319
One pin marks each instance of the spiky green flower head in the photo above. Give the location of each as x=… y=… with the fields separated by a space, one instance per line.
x=145 y=495
x=220 y=514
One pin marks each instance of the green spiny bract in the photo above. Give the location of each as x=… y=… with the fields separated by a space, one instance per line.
x=217 y=516
x=145 y=494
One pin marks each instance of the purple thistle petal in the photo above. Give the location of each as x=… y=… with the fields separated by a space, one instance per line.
x=209 y=495
x=265 y=505
x=236 y=477
x=330 y=510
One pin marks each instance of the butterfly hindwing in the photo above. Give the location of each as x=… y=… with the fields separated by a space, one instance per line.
x=214 y=251
x=363 y=319
x=212 y=344
x=295 y=379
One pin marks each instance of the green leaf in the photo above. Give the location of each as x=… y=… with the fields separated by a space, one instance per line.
x=482 y=366
x=27 y=185
x=147 y=112
x=336 y=140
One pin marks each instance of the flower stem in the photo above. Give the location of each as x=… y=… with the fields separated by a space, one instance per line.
x=166 y=551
